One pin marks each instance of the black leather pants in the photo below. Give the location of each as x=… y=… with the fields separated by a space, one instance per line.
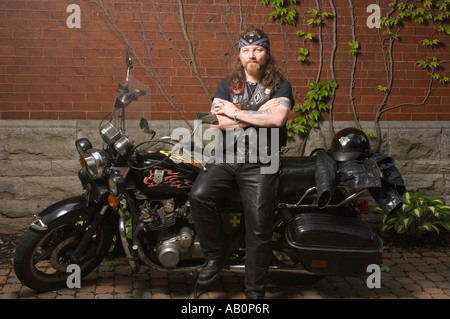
x=258 y=194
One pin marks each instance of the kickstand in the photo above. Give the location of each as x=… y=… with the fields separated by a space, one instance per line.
x=195 y=290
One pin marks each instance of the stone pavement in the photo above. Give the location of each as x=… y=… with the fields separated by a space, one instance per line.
x=413 y=273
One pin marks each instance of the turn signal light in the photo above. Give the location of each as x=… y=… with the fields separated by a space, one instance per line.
x=113 y=201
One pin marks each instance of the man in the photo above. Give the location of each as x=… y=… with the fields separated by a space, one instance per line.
x=254 y=96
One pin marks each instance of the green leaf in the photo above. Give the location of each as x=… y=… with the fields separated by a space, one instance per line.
x=309 y=104
x=427 y=4
x=313 y=12
x=375 y=209
x=446 y=224
x=429 y=227
x=354 y=46
x=382 y=88
x=385 y=268
x=407 y=198
x=422 y=64
x=388 y=220
x=400 y=228
x=314 y=114
x=417 y=212
x=312 y=95
x=385 y=228
x=303 y=51
x=437 y=200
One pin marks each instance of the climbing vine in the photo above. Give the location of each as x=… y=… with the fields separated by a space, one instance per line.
x=320 y=92
x=401 y=15
x=315 y=103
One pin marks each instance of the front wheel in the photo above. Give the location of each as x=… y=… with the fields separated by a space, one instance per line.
x=41 y=258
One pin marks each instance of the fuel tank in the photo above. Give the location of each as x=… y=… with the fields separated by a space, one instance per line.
x=163 y=174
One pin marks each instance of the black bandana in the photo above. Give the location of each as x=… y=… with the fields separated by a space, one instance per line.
x=253 y=39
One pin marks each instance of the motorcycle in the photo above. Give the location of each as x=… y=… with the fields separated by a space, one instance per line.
x=136 y=197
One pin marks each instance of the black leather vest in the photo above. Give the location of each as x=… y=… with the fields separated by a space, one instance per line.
x=245 y=100
x=245 y=144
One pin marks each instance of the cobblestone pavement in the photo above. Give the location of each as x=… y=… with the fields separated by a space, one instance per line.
x=414 y=273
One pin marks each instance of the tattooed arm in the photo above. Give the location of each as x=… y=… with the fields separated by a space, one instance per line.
x=225 y=121
x=274 y=113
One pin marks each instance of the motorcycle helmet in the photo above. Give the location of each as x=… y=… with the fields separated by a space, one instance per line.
x=350 y=144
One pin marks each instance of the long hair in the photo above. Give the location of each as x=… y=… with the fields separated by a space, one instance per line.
x=271 y=75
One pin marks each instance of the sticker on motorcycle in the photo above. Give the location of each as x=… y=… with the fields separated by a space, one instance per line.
x=166 y=177
x=158 y=176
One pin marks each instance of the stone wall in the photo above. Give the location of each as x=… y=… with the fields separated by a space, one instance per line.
x=39 y=162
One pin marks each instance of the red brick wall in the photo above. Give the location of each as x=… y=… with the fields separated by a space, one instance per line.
x=51 y=71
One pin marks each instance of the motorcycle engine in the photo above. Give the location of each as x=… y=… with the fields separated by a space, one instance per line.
x=171 y=229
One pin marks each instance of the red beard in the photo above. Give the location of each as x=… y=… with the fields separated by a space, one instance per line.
x=253 y=67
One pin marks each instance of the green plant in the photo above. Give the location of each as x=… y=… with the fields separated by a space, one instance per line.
x=282 y=11
x=315 y=103
x=419 y=214
x=354 y=47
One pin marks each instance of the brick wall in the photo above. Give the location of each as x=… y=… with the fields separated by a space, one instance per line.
x=52 y=68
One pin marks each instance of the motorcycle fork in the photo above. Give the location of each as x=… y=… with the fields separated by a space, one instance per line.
x=87 y=237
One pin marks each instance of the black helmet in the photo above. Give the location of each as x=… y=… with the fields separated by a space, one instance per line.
x=350 y=144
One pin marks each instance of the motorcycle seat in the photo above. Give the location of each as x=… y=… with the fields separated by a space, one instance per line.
x=297 y=175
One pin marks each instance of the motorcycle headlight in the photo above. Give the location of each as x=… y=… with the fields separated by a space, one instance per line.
x=83 y=145
x=123 y=145
x=95 y=162
x=116 y=183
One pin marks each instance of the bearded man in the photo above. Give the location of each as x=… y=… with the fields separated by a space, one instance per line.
x=254 y=98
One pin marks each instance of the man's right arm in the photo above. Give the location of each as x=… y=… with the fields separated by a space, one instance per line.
x=224 y=121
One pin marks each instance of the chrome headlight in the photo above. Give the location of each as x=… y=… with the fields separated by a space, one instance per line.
x=123 y=145
x=116 y=183
x=95 y=162
x=83 y=145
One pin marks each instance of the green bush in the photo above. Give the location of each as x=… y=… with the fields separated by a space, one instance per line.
x=418 y=215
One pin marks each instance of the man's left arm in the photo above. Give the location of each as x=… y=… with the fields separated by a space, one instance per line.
x=274 y=113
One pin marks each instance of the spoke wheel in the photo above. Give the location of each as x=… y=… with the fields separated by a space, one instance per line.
x=41 y=258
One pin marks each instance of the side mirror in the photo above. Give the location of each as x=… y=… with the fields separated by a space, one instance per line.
x=143 y=124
